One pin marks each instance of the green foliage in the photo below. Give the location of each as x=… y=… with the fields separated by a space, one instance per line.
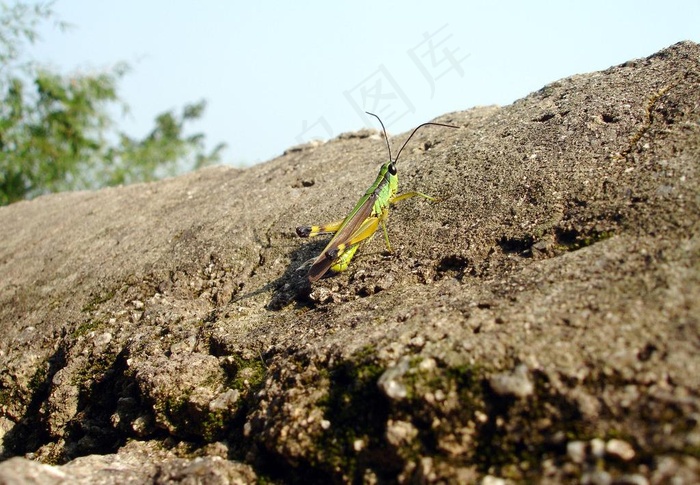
x=18 y=24
x=165 y=151
x=56 y=131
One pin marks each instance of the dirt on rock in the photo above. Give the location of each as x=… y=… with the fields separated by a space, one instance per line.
x=541 y=322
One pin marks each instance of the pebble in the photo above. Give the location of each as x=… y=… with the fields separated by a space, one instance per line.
x=358 y=445
x=597 y=477
x=632 y=479
x=576 y=451
x=597 y=448
x=225 y=400
x=620 y=449
x=400 y=433
x=516 y=383
x=491 y=480
x=103 y=339
x=389 y=382
x=427 y=364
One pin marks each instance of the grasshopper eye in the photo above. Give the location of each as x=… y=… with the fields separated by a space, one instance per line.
x=392 y=168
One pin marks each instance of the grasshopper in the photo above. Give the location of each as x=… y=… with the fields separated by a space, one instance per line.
x=364 y=219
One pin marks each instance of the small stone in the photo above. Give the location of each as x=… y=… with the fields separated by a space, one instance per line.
x=418 y=342
x=218 y=448
x=481 y=416
x=516 y=383
x=597 y=477
x=666 y=468
x=400 y=433
x=325 y=424
x=103 y=339
x=576 y=450
x=427 y=364
x=143 y=425
x=632 y=479
x=394 y=390
x=597 y=448
x=321 y=295
x=426 y=469
x=491 y=480
x=541 y=245
x=225 y=400
x=620 y=449
x=389 y=381
x=358 y=445
x=693 y=439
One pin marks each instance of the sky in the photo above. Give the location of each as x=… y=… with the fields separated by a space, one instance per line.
x=276 y=74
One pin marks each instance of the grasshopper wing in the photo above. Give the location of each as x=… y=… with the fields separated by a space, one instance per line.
x=336 y=245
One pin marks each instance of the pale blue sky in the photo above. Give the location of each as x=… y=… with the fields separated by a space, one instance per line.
x=278 y=73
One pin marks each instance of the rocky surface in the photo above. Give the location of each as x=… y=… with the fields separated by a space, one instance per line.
x=541 y=322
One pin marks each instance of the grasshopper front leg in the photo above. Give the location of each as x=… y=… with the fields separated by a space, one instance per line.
x=408 y=195
x=394 y=200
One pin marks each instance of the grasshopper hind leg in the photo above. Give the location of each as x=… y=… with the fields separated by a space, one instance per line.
x=312 y=231
x=343 y=260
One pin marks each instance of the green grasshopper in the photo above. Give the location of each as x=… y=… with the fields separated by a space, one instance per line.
x=362 y=222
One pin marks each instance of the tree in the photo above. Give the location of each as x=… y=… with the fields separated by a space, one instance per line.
x=56 y=132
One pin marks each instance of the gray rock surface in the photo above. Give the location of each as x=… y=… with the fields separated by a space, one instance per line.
x=541 y=322
x=138 y=462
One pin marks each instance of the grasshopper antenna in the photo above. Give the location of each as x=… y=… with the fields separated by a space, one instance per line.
x=414 y=132
x=386 y=137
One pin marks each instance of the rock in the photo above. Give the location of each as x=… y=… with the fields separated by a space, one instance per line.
x=516 y=383
x=142 y=325
x=632 y=479
x=390 y=381
x=400 y=433
x=597 y=448
x=137 y=463
x=597 y=477
x=491 y=480
x=576 y=450
x=225 y=401
x=620 y=449
x=19 y=470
